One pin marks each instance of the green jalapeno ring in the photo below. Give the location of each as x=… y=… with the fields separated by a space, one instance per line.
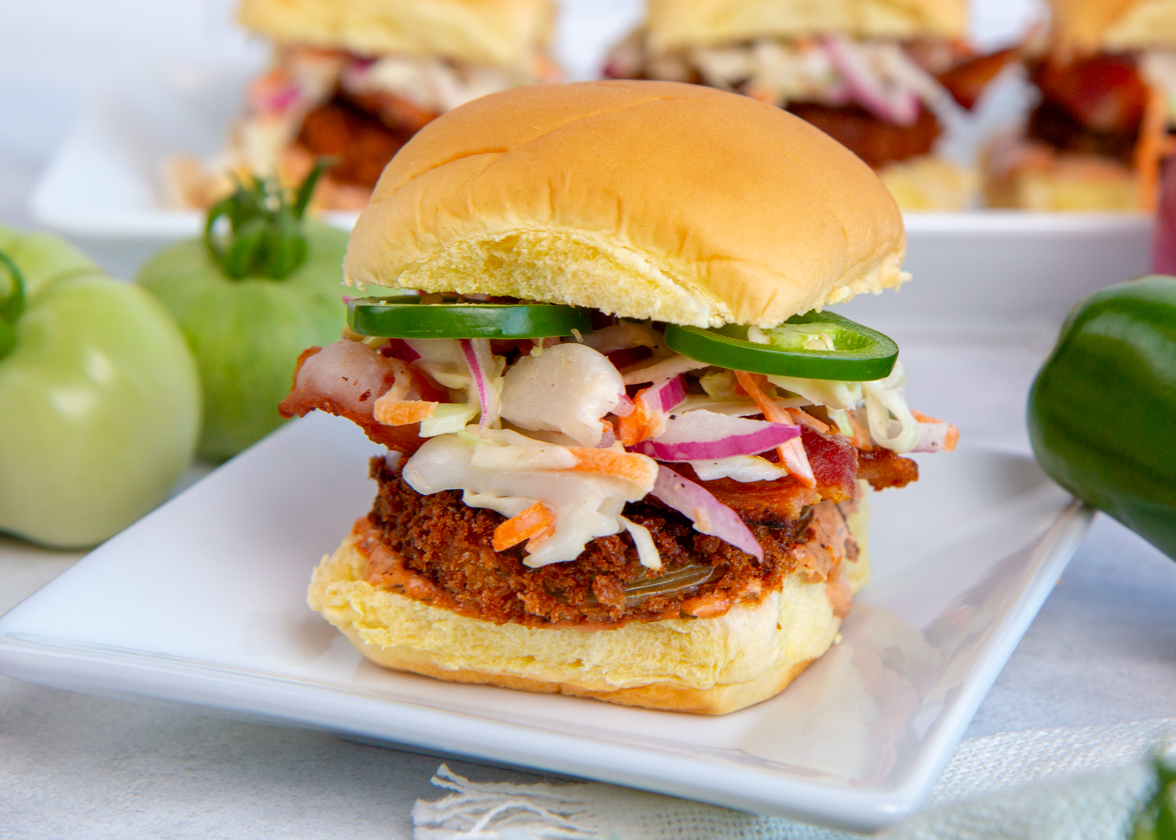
x=859 y=353
x=409 y=316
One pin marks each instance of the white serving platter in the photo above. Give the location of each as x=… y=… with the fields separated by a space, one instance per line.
x=203 y=602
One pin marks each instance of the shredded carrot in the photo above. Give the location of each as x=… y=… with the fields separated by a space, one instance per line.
x=529 y=524
x=950 y=439
x=402 y=412
x=642 y=422
x=632 y=428
x=612 y=462
x=1150 y=148
x=752 y=385
x=806 y=419
x=792 y=454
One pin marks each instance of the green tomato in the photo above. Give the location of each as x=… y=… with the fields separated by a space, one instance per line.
x=247 y=334
x=99 y=400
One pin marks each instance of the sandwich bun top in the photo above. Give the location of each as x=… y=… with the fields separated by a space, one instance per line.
x=687 y=23
x=1113 y=25
x=651 y=200
x=494 y=32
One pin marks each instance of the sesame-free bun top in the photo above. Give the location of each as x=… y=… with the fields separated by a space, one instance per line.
x=656 y=200
x=687 y=23
x=1090 y=25
x=494 y=32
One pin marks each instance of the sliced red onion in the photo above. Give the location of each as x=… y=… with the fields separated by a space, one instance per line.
x=709 y=515
x=624 y=406
x=478 y=357
x=897 y=106
x=706 y=436
x=654 y=404
x=284 y=98
x=665 y=396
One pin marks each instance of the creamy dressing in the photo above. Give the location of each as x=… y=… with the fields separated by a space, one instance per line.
x=507 y=472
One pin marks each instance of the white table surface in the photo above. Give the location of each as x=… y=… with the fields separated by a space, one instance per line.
x=1102 y=651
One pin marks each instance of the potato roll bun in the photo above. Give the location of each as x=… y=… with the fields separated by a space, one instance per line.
x=653 y=200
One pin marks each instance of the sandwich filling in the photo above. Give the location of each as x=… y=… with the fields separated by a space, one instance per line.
x=603 y=478
x=1104 y=122
x=886 y=101
x=357 y=110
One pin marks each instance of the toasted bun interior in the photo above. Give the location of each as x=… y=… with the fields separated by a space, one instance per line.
x=495 y=32
x=703 y=665
x=655 y=200
x=682 y=23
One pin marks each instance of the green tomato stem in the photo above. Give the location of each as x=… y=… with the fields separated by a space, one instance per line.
x=265 y=236
x=11 y=306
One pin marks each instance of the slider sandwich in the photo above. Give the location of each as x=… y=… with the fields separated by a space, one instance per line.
x=355 y=79
x=882 y=77
x=628 y=453
x=1106 y=76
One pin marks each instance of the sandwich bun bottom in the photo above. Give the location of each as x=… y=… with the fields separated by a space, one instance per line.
x=1063 y=182
x=700 y=665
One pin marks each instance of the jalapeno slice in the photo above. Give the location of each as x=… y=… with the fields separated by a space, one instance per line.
x=408 y=316
x=815 y=345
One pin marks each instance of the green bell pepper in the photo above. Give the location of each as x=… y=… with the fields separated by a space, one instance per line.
x=99 y=396
x=1102 y=409
x=250 y=301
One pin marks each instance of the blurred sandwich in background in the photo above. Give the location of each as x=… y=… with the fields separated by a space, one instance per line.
x=1106 y=73
x=355 y=79
x=880 y=76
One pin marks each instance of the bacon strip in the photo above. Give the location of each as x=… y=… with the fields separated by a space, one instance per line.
x=346 y=378
x=883 y=468
x=834 y=462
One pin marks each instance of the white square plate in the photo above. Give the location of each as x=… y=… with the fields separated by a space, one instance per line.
x=203 y=602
